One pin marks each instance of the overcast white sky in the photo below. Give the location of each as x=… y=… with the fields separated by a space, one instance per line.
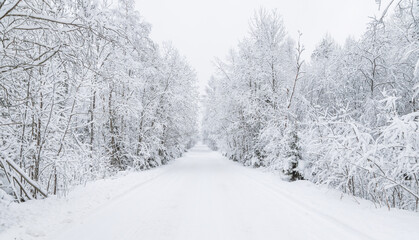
x=203 y=30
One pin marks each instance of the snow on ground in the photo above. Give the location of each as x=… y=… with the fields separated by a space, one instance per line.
x=204 y=196
x=39 y=218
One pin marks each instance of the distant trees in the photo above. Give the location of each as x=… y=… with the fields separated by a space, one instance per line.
x=85 y=92
x=351 y=120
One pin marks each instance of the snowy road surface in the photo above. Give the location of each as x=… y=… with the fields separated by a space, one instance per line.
x=205 y=196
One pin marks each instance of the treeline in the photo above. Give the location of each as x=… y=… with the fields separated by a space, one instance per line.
x=347 y=118
x=85 y=92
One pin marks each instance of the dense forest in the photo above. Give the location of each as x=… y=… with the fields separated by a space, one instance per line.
x=85 y=93
x=346 y=117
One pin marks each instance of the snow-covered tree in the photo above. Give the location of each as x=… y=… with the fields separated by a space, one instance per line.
x=85 y=92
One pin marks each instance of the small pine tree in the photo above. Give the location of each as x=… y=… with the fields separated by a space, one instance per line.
x=293 y=156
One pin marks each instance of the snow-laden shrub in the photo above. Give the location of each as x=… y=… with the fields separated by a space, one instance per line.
x=330 y=151
x=384 y=169
x=396 y=162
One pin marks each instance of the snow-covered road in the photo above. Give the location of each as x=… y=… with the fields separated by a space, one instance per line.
x=205 y=196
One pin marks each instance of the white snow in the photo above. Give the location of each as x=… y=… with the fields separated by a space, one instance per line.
x=204 y=196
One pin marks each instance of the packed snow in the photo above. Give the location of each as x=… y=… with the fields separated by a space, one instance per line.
x=203 y=195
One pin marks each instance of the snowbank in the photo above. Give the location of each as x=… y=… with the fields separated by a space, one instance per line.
x=38 y=218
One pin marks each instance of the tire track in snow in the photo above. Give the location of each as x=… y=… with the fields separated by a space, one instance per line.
x=302 y=207
x=113 y=201
x=136 y=230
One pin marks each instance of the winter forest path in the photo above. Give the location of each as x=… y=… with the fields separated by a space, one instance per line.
x=205 y=196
